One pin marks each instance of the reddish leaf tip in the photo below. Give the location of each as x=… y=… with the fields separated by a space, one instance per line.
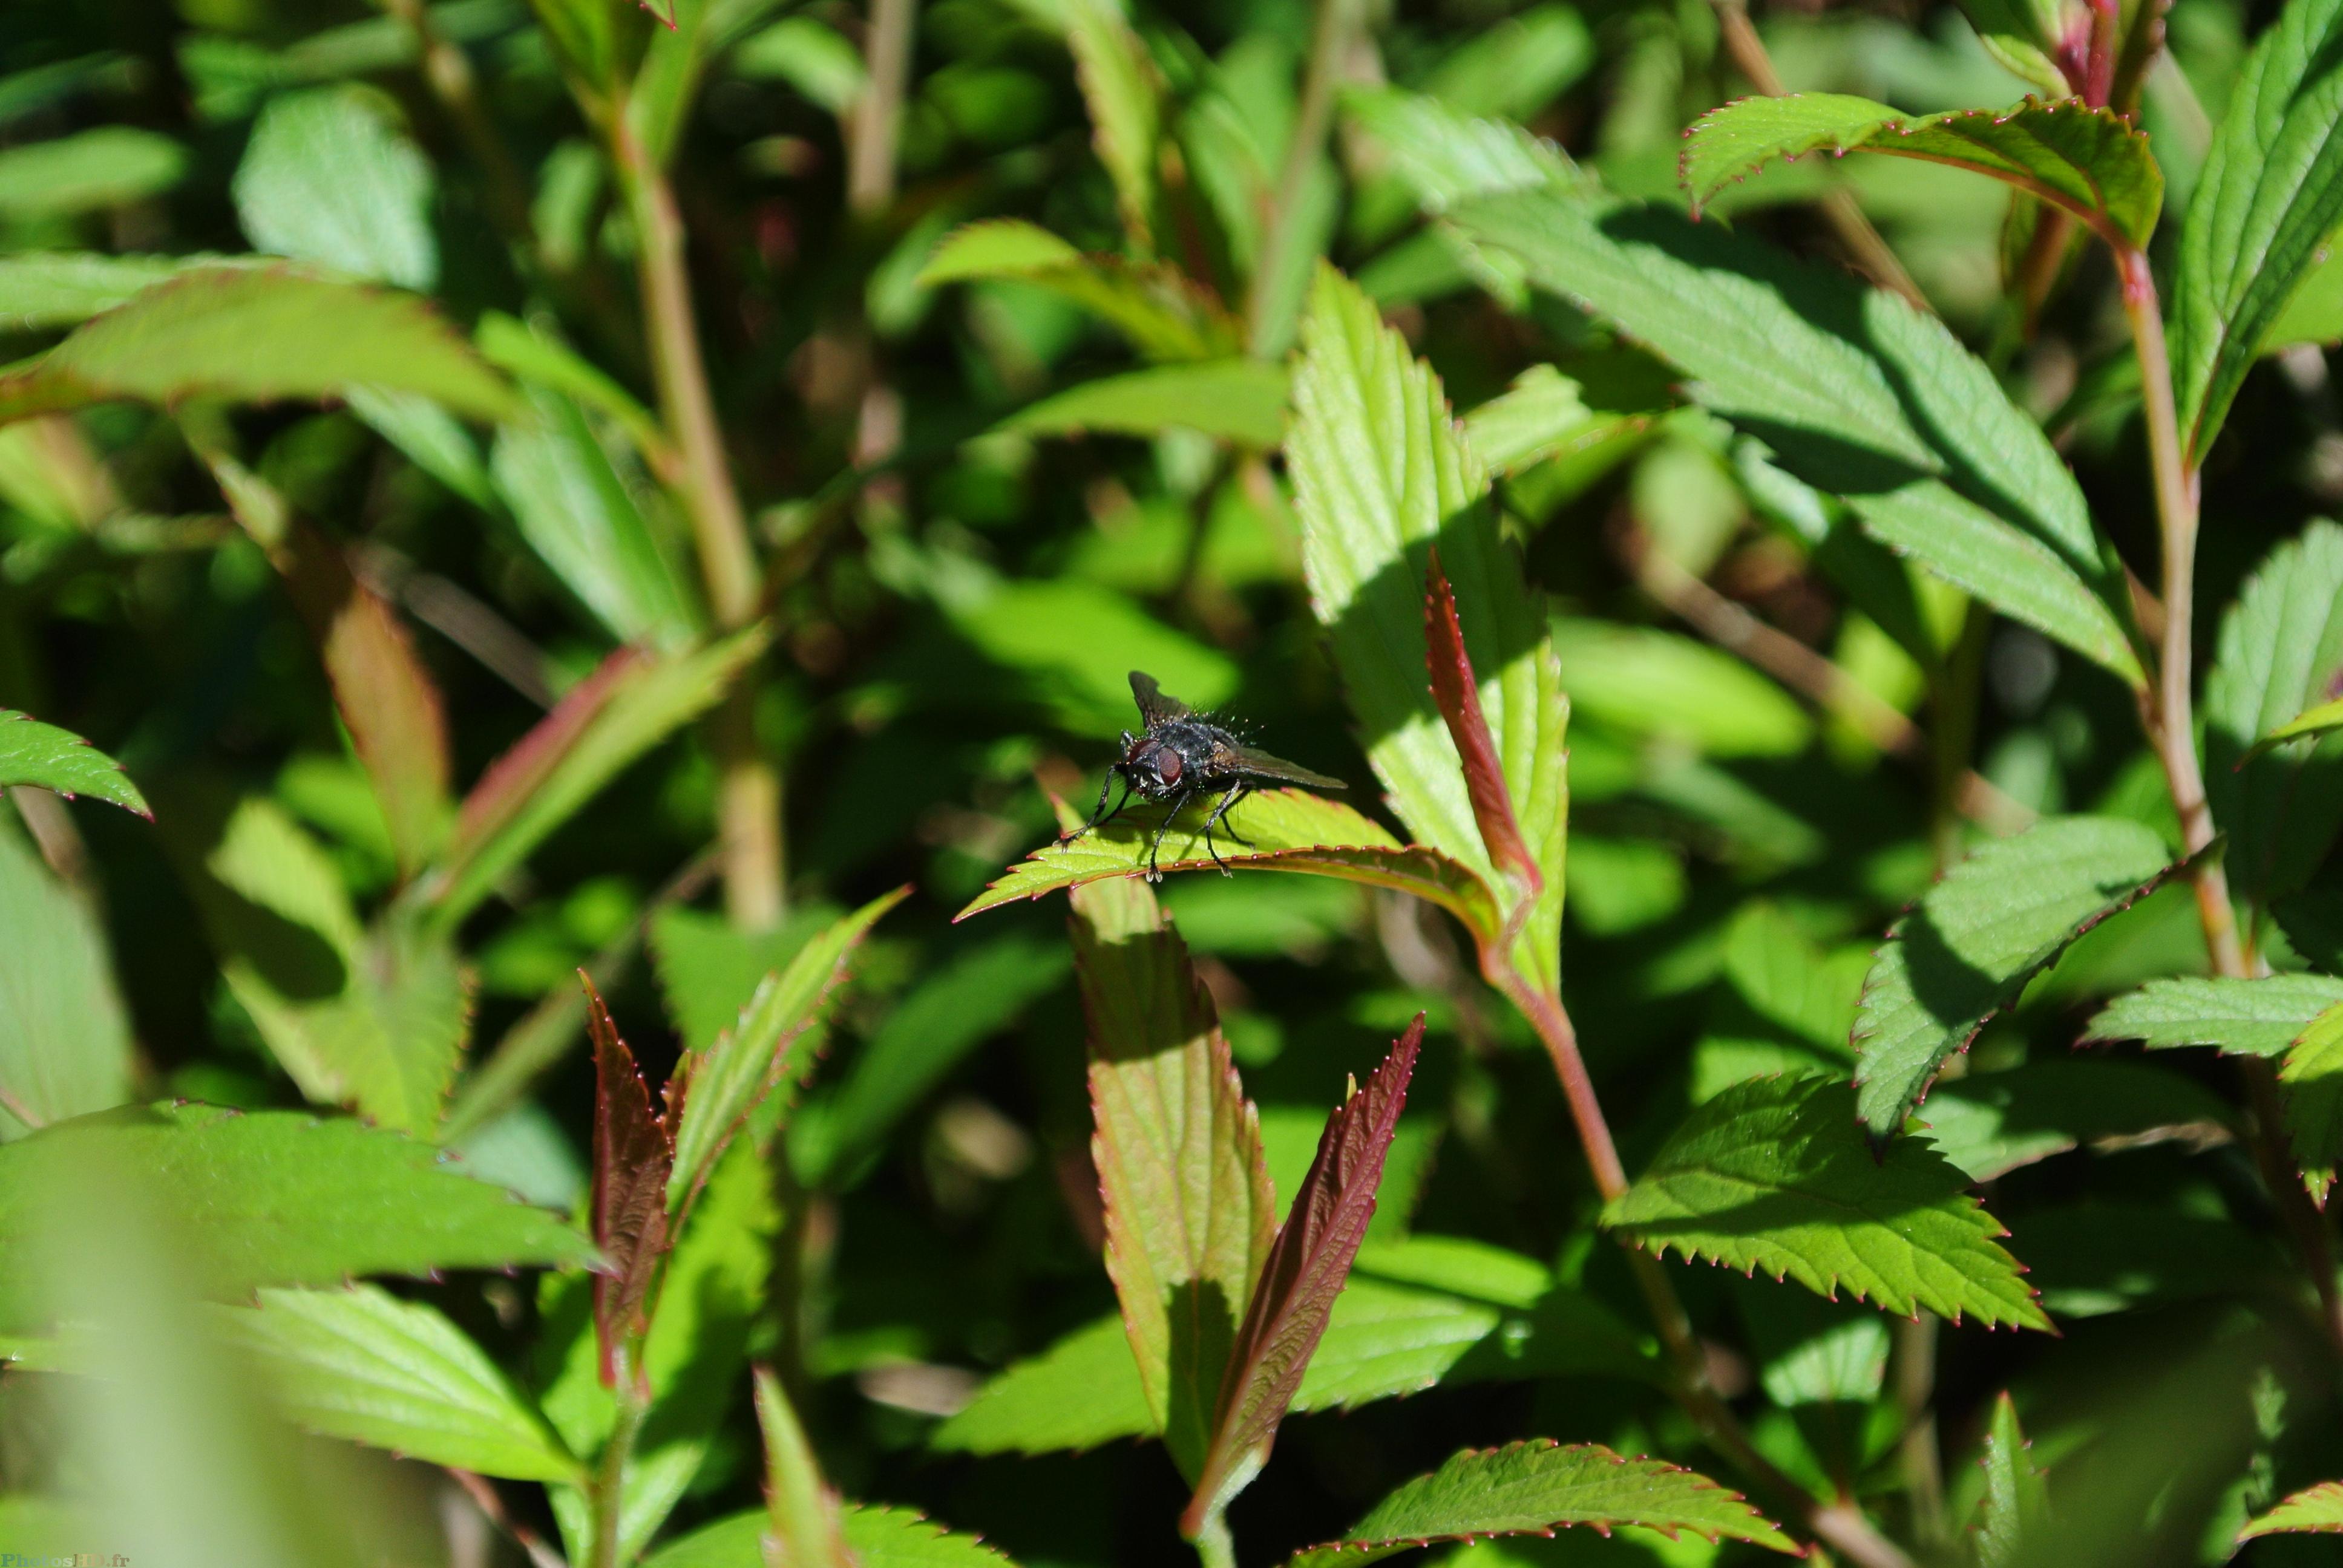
x=1457 y=693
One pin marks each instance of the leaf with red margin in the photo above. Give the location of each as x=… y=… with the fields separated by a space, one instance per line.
x=523 y=768
x=1538 y=1487
x=633 y=1152
x=32 y=752
x=1458 y=695
x=1307 y=1266
x=1189 y=1212
x=2313 y=1511
x=1290 y=832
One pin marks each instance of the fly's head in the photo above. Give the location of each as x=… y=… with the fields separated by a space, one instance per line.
x=1155 y=767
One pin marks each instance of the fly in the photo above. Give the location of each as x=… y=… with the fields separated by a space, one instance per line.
x=1180 y=755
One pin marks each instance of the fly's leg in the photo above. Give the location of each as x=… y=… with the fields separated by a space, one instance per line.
x=1101 y=814
x=1219 y=811
x=1179 y=804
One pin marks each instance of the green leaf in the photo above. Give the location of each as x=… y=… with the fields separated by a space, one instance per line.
x=1380 y=475
x=2280 y=650
x=2093 y=163
x=1538 y=1487
x=363 y=1365
x=58 y=288
x=811 y=57
x=327 y=179
x=2315 y=314
x=1083 y=1391
x=2321 y=719
x=580 y=515
x=1163 y=315
x=1774 y=1174
x=956 y=1007
x=2313 y=1511
x=808 y=1526
x=709 y=968
x=2243 y=1016
x=532 y=354
x=1542 y=417
x=257 y=334
x=1991 y=1124
x=1124 y=96
x=41 y=754
x=283 y=1198
x=1300 y=1281
x=1646 y=682
x=1189 y=1211
x=773 y=1045
x=105 y=166
x=2312 y=1075
x=1854 y=392
x=1290 y=830
x=2015 y=1500
x=1241 y=400
x=574 y=752
x=66 y=1047
x=2024 y=37
x=1979 y=936
x=878 y=1537
x=1072 y=643
x=2094 y=1260
x=2270 y=193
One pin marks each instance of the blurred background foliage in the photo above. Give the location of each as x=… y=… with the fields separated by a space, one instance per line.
x=958 y=565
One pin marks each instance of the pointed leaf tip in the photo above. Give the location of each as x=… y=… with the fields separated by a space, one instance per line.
x=633 y=1153
x=1458 y=694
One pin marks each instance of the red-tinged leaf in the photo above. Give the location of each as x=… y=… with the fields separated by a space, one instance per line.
x=387 y=700
x=1458 y=694
x=1189 y=1206
x=514 y=776
x=1307 y=1265
x=633 y=1151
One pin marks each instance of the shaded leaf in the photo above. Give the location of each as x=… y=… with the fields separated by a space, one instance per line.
x=878 y=1537
x=2269 y=195
x=2015 y=1501
x=1544 y=415
x=533 y=354
x=1241 y=399
x=773 y=1044
x=1979 y=936
x=1163 y=315
x=1124 y=96
x=1189 y=1211
x=1991 y=1124
x=808 y=1527
x=58 y=288
x=2093 y=163
x=41 y=754
x=363 y=1365
x=1080 y=1393
x=1643 y=681
x=1290 y=831
x=2245 y=1017
x=1304 y=1272
x=2312 y=1075
x=1854 y=392
x=2093 y=1260
x=2318 y=720
x=286 y=1198
x=325 y=178
x=1774 y=1174
x=104 y=166
x=1536 y=1488
x=571 y=756
x=66 y=1047
x=2313 y=1511
x=2280 y=650
x=256 y=334
x=634 y=1151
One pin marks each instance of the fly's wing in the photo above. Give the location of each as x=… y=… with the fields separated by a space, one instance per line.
x=1155 y=707
x=1228 y=758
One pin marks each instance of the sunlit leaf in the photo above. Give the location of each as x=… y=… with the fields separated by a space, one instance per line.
x=41 y=754
x=65 y=1050
x=1290 y=831
x=58 y=288
x=2321 y=719
x=1241 y=399
x=257 y=334
x=285 y=1197
x=2093 y=163
x=104 y=166
x=361 y=1364
x=1536 y=1488
x=878 y=1537
x=2270 y=193
x=327 y=179
x=1164 y=317
x=1991 y=1124
x=1189 y=1212
x=1775 y=1174
x=1979 y=936
x=2247 y=1016
x=2313 y=1511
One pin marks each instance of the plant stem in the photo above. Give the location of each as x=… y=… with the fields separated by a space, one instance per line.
x=877 y=114
x=1330 y=43
x=1914 y=1346
x=1840 y=1526
x=1871 y=252
x=749 y=789
x=448 y=72
x=610 y=1476
x=2175 y=736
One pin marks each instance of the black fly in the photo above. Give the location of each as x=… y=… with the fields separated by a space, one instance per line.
x=1181 y=755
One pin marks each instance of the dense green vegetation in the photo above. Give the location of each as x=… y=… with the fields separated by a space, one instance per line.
x=564 y=566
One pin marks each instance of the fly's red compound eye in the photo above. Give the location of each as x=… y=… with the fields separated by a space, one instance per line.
x=1168 y=765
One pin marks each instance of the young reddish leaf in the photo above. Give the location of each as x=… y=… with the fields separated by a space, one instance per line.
x=515 y=776
x=1189 y=1207
x=633 y=1152
x=1458 y=694
x=1307 y=1265
x=387 y=700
